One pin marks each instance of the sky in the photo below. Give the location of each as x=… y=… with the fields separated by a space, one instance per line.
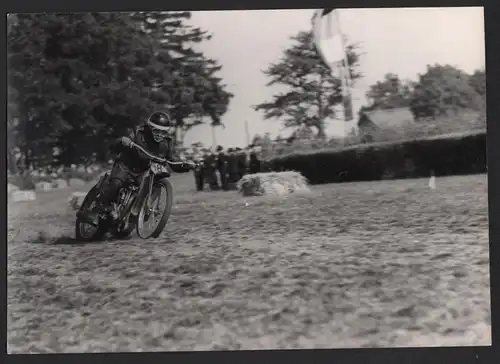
x=398 y=40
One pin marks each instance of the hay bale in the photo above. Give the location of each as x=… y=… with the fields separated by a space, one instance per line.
x=60 y=183
x=76 y=200
x=23 y=196
x=274 y=183
x=11 y=188
x=43 y=186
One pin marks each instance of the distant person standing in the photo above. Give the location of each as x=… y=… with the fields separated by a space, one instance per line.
x=232 y=166
x=222 y=164
x=22 y=164
x=199 y=172
x=255 y=164
x=241 y=159
x=211 y=168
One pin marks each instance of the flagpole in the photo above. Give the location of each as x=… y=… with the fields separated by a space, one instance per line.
x=214 y=140
x=345 y=74
x=337 y=63
x=343 y=67
x=247 y=133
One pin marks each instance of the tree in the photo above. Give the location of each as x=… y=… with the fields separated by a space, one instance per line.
x=390 y=93
x=478 y=82
x=76 y=81
x=257 y=139
x=195 y=93
x=303 y=133
x=443 y=90
x=265 y=142
x=312 y=91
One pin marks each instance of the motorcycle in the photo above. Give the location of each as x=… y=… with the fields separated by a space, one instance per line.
x=135 y=205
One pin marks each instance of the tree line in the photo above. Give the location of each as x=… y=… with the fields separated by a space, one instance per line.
x=78 y=80
x=311 y=92
x=442 y=90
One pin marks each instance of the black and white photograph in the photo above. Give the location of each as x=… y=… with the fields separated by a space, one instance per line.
x=247 y=180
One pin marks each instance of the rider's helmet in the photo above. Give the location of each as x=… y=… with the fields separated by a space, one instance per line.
x=160 y=126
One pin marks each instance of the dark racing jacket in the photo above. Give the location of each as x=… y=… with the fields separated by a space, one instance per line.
x=136 y=161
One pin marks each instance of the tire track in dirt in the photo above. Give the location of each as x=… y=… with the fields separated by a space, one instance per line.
x=351 y=265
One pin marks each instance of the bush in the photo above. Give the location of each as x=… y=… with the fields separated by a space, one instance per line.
x=453 y=154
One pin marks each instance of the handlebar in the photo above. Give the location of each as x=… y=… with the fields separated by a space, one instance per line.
x=157 y=159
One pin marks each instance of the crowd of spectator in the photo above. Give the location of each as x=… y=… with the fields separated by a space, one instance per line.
x=221 y=169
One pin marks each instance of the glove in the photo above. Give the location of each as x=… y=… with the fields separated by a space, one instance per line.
x=127 y=142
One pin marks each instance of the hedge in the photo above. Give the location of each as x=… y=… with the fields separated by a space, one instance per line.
x=452 y=154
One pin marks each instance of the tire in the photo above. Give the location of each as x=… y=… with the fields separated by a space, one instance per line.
x=100 y=232
x=167 y=186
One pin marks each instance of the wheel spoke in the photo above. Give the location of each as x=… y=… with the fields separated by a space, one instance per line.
x=152 y=214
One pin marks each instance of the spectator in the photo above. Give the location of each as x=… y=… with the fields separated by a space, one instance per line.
x=241 y=158
x=199 y=172
x=255 y=164
x=222 y=167
x=21 y=164
x=210 y=170
x=232 y=166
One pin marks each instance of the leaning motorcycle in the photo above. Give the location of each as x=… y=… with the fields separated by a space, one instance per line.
x=137 y=205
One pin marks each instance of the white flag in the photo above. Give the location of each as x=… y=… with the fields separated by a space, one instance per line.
x=328 y=38
x=330 y=45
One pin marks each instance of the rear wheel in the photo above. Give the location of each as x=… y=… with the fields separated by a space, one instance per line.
x=153 y=217
x=83 y=230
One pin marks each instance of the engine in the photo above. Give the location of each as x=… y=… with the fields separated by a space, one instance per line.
x=124 y=198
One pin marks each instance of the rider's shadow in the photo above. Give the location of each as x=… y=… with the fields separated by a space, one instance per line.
x=68 y=240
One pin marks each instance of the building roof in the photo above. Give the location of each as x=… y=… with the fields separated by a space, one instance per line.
x=390 y=118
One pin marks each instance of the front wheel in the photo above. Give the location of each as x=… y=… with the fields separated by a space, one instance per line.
x=83 y=230
x=153 y=218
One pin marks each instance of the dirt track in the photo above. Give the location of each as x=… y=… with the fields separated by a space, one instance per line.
x=351 y=265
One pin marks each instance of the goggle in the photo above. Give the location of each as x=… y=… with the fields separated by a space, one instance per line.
x=159 y=134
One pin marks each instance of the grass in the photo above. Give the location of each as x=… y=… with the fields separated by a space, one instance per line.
x=372 y=264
